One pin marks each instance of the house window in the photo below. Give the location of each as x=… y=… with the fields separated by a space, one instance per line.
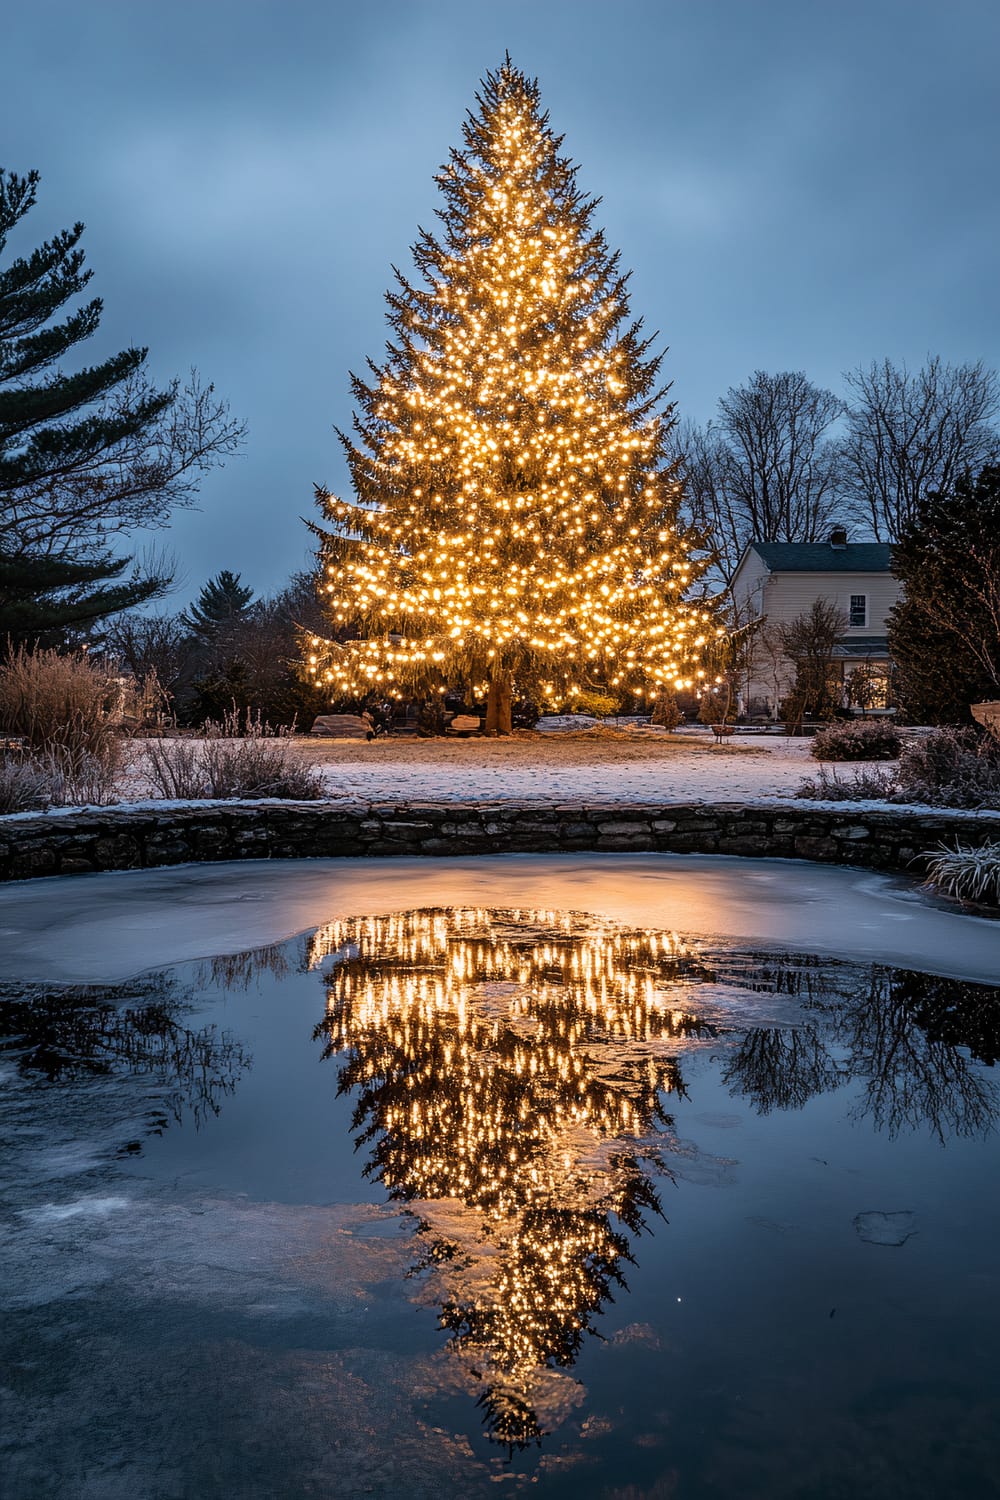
x=859 y=610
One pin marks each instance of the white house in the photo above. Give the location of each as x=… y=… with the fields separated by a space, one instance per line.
x=779 y=581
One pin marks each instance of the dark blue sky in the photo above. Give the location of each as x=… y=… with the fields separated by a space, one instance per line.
x=797 y=185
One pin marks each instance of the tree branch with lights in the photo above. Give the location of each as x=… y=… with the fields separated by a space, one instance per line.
x=515 y=515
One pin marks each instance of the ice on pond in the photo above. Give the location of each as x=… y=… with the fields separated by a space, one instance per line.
x=55 y=1212
x=877 y=1228
x=545 y=1283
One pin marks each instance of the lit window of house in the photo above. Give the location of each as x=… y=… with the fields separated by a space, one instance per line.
x=859 y=609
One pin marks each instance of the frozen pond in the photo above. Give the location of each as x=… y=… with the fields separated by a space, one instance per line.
x=582 y=1176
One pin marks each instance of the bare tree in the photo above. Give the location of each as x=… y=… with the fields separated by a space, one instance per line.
x=770 y=469
x=771 y=664
x=708 y=498
x=786 y=478
x=128 y=481
x=809 y=641
x=909 y=434
x=153 y=644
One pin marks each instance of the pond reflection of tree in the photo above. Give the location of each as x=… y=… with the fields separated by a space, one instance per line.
x=71 y=1033
x=241 y=971
x=509 y=1070
x=911 y=1040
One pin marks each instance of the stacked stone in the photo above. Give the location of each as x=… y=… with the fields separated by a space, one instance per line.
x=134 y=838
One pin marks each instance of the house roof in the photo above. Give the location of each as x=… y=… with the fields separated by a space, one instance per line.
x=862 y=645
x=820 y=557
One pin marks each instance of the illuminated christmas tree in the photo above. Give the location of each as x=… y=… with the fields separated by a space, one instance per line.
x=515 y=520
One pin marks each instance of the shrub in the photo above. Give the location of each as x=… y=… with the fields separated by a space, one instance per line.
x=24 y=787
x=863 y=786
x=715 y=704
x=966 y=874
x=592 y=701
x=951 y=768
x=175 y=769
x=58 y=700
x=666 y=711
x=68 y=709
x=81 y=776
x=858 y=739
x=258 y=767
x=240 y=757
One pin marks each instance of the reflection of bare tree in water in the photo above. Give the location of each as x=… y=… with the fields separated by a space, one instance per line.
x=508 y=1069
x=138 y=1028
x=910 y=1039
x=782 y=1068
x=240 y=971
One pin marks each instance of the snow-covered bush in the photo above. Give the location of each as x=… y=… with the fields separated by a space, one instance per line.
x=862 y=786
x=951 y=768
x=236 y=759
x=857 y=739
x=24 y=787
x=966 y=874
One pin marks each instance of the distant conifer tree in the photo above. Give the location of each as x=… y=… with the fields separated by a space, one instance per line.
x=222 y=601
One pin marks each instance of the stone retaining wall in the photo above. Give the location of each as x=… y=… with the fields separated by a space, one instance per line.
x=169 y=834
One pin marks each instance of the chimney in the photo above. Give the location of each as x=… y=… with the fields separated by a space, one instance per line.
x=838 y=537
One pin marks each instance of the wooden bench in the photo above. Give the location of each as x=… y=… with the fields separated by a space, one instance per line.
x=722 y=732
x=343 y=727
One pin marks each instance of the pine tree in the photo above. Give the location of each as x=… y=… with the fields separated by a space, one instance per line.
x=49 y=601
x=515 y=518
x=944 y=634
x=84 y=455
x=222 y=602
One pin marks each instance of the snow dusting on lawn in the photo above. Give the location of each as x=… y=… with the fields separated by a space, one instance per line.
x=553 y=769
x=581 y=769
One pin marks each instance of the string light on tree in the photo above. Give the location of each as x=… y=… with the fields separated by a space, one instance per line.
x=515 y=519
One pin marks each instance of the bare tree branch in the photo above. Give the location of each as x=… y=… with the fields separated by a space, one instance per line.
x=909 y=434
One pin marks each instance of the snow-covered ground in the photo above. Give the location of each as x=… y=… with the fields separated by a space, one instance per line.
x=587 y=767
x=580 y=769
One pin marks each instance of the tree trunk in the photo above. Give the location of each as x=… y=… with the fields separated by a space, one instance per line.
x=498 y=706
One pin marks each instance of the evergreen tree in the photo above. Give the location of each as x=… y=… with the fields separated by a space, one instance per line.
x=48 y=601
x=944 y=634
x=217 y=628
x=222 y=602
x=515 y=518
x=86 y=455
